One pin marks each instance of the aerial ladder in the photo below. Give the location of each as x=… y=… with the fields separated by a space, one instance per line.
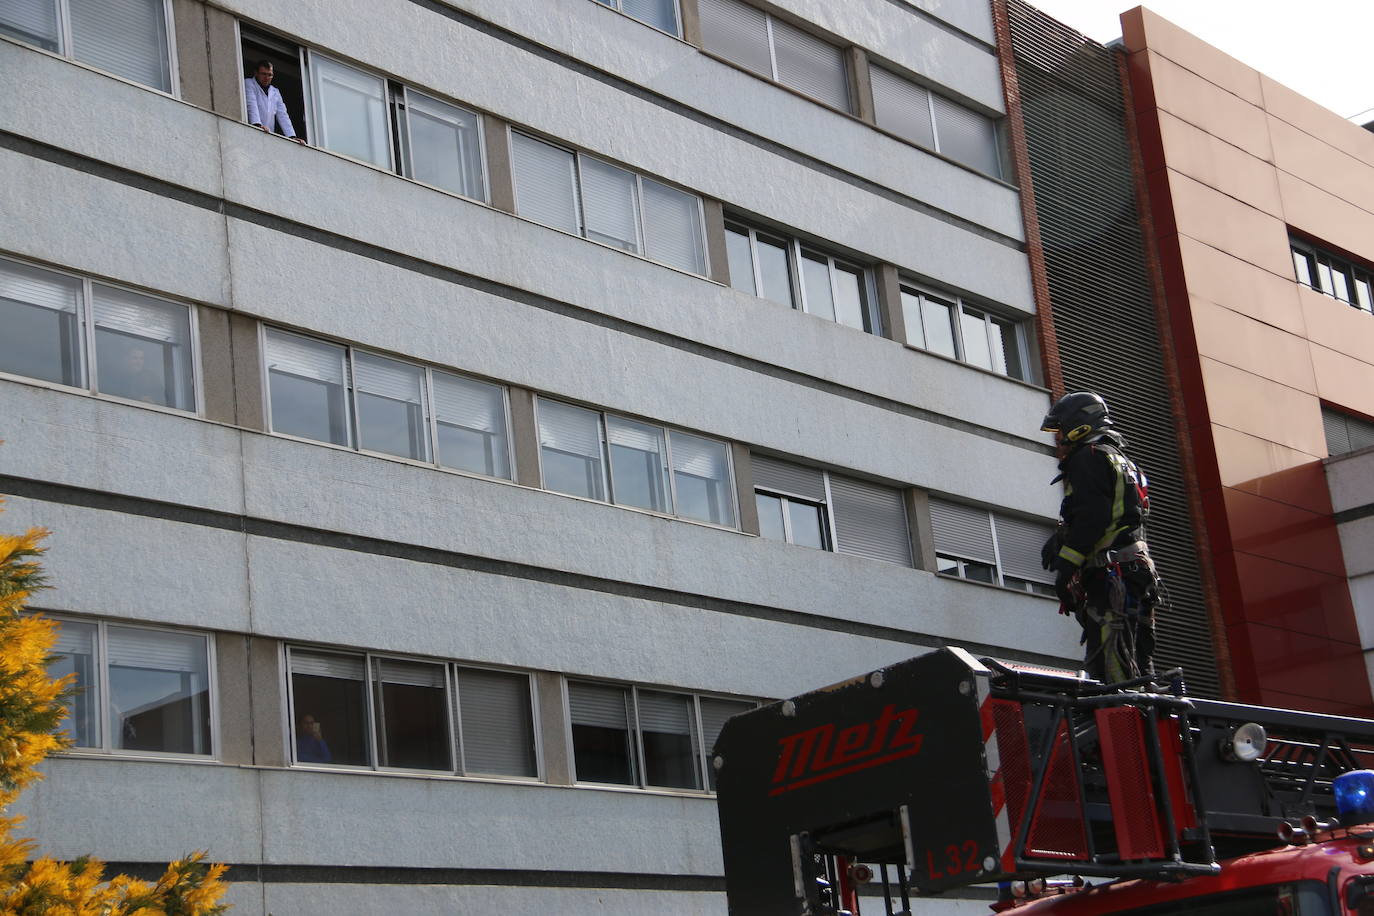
x=947 y=770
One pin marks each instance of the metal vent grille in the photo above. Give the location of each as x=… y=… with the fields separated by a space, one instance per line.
x=1101 y=296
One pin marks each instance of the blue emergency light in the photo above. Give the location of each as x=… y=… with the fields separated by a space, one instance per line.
x=1354 y=796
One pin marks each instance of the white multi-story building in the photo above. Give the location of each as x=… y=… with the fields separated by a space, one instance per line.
x=425 y=497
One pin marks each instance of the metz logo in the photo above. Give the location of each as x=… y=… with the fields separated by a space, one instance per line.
x=817 y=754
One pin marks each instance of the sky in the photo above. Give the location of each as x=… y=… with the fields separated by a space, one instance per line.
x=1316 y=47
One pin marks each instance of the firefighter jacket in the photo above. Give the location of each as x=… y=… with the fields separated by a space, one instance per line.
x=1103 y=503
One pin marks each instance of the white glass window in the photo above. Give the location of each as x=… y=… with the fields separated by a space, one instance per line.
x=973 y=327
x=661 y=14
x=938 y=316
x=443 y=145
x=702 y=479
x=673 y=232
x=350 y=111
x=979 y=338
x=637 y=736
x=142 y=348
x=363 y=710
x=470 y=417
x=545 y=183
x=775 y=49
x=41 y=312
x=125 y=37
x=392 y=414
x=571 y=450
x=139 y=689
x=784 y=271
x=739 y=251
x=639 y=464
x=903 y=107
x=816 y=286
x=308 y=390
x=610 y=201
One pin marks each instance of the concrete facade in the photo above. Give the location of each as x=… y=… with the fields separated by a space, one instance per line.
x=208 y=522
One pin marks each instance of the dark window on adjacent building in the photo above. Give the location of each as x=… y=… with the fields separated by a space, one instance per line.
x=1333 y=275
x=1346 y=432
x=989 y=547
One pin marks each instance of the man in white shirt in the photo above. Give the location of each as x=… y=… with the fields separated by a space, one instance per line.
x=264 y=102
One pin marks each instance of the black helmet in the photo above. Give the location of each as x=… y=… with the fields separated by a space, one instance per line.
x=1076 y=415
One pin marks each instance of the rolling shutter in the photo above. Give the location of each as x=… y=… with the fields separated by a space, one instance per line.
x=343 y=667
x=962 y=531
x=125 y=37
x=810 y=65
x=34 y=21
x=497 y=721
x=1018 y=544
x=967 y=136
x=737 y=32
x=901 y=106
x=672 y=227
x=609 y=205
x=467 y=403
x=570 y=429
x=870 y=520
x=155 y=650
x=34 y=286
x=307 y=358
x=545 y=184
x=791 y=479
x=598 y=705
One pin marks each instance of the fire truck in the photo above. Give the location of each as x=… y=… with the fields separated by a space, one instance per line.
x=1069 y=796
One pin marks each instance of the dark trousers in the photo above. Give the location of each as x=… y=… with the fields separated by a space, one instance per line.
x=1117 y=617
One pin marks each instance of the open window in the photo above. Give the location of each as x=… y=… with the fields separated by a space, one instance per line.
x=287 y=69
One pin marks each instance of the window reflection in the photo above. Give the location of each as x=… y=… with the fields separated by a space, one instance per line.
x=159 y=691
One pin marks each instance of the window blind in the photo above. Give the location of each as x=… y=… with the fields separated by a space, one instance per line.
x=388 y=378
x=75 y=639
x=569 y=429
x=901 y=106
x=962 y=530
x=610 y=204
x=411 y=674
x=737 y=32
x=870 y=520
x=661 y=14
x=32 y=21
x=699 y=457
x=714 y=713
x=672 y=227
x=318 y=664
x=307 y=358
x=793 y=479
x=498 y=725
x=639 y=436
x=967 y=136
x=156 y=650
x=125 y=37
x=666 y=713
x=1018 y=545
x=598 y=705
x=810 y=65
x=1346 y=433
x=545 y=184
x=39 y=287
x=464 y=402
x=130 y=313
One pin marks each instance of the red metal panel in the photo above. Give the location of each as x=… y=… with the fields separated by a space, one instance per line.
x=1171 y=747
x=1057 y=828
x=1135 y=814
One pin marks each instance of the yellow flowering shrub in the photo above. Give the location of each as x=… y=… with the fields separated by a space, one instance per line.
x=32 y=705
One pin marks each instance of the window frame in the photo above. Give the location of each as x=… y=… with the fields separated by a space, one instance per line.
x=431 y=421
x=702 y=755
x=962 y=307
x=316 y=121
x=580 y=201
x=102 y=689
x=618 y=6
x=994 y=122
x=453 y=720
x=608 y=474
x=65 y=48
x=86 y=357
x=1322 y=263
x=405 y=165
x=797 y=250
x=824 y=510
x=1000 y=577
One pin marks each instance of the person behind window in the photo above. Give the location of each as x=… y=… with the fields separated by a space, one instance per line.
x=265 y=105
x=139 y=381
x=310 y=743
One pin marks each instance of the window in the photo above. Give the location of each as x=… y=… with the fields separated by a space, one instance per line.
x=661 y=14
x=608 y=204
x=350 y=111
x=442 y=145
x=928 y=119
x=776 y=50
x=827 y=511
x=632 y=463
x=987 y=547
x=1345 y=432
x=1330 y=274
x=942 y=323
x=799 y=276
x=636 y=736
x=333 y=393
x=76 y=332
x=139 y=689
x=125 y=37
x=364 y=710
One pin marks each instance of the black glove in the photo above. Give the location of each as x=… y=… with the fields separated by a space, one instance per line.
x=1051 y=549
x=1063 y=581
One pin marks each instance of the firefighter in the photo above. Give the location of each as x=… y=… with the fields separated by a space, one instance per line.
x=1103 y=572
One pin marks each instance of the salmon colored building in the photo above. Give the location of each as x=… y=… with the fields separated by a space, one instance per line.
x=1261 y=217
